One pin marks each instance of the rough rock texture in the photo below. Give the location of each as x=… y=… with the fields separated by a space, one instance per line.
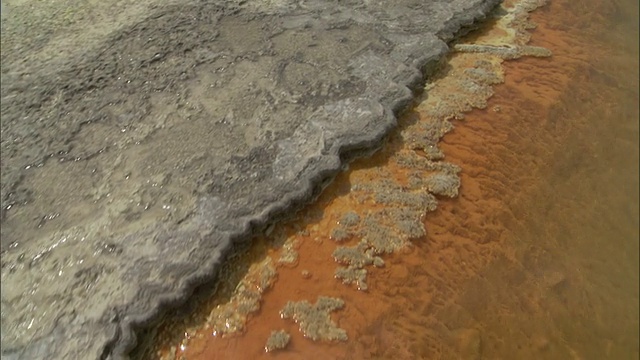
x=138 y=149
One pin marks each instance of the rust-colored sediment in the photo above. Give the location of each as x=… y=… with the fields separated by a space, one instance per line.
x=483 y=281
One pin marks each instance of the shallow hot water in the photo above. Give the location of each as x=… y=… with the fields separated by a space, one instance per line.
x=537 y=256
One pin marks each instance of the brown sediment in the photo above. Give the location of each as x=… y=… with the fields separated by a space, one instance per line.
x=448 y=294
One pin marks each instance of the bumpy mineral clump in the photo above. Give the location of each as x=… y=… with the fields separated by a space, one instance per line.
x=350 y=219
x=380 y=237
x=289 y=254
x=352 y=275
x=277 y=340
x=345 y=228
x=313 y=320
x=231 y=317
x=359 y=255
x=443 y=184
x=355 y=258
x=339 y=234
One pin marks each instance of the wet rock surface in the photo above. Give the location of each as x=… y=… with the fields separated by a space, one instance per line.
x=133 y=158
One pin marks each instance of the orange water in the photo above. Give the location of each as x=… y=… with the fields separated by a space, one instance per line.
x=538 y=255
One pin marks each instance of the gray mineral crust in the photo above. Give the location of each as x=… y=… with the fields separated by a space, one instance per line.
x=142 y=139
